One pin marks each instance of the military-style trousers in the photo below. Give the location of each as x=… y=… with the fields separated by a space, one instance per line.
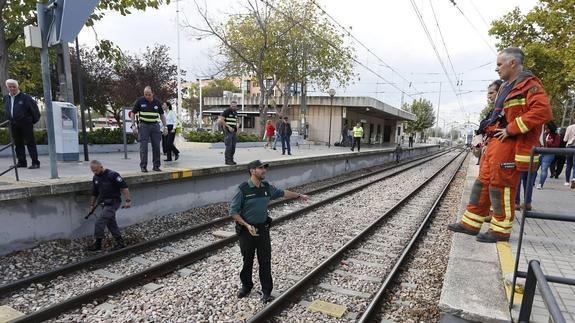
x=230 y=141
x=250 y=245
x=495 y=187
x=108 y=219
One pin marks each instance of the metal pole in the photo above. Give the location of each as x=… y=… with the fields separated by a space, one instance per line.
x=45 y=63
x=329 y=134
x=438 y=104
x=179 y=69
x=201 y=106
x=82 y=100
x=124 y=133
x=13 y=151
x=242 y=89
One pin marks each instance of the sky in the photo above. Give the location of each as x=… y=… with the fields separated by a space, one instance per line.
x=389 y=40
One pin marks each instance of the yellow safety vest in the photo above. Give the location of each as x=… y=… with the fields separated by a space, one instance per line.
x=149 y=116
x=357 y=132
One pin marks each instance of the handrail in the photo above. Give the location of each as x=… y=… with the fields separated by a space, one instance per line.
x=536 y=277
x=536 y=215
x=11 y=145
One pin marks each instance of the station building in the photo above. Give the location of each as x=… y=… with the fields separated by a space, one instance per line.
x=327 y=118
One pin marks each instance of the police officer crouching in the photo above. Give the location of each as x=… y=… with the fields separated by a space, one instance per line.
x=249 y=208
x=106 y=188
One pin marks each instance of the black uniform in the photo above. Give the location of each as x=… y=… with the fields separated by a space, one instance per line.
x=107 y=187
x=231 y=119
x=23 y=113
x=149 y=129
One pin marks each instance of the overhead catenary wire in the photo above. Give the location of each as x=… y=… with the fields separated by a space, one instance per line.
x=426 y=30
x=362 y=44
x=443 y=41
x=267 y=3
x=473 y=26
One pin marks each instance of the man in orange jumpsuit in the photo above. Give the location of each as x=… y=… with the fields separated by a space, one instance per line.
x=521 y=108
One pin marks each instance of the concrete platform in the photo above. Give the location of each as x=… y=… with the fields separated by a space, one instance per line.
x=38 y=208
x=474 y=288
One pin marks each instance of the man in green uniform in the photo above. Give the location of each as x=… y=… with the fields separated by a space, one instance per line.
x=249 y=208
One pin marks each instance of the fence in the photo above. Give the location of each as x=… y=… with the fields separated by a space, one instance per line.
x=11 y=146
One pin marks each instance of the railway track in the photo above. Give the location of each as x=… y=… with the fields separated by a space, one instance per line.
x=185 y=256
x=377 y=251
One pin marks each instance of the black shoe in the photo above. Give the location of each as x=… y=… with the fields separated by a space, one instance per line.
x=156 y=169
x=231 y=163
x=176 y=157
x=274 y=148
x=244 y=291
x=167 y=160
x=283 y=153
x=144 y=169
x=289 y=154
x=490 y=237
x=119 y=245
x=34 y=166
x=458 y=227
x=21 y=165
x=96 y=246
x=266 y=298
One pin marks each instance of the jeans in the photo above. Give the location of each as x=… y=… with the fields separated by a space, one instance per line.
x=527 y=187
x=277 y=138
x=286 y=144
x=570 y=169
x=546 y=161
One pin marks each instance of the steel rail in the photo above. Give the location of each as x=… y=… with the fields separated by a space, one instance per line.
x=267 y=312
x=175 y=263
x=144 y=246
x=373 y=306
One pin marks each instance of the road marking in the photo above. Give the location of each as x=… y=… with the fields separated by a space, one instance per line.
x=507 y=265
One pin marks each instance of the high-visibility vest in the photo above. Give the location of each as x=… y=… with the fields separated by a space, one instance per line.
x=357 y=132
x=149 y=116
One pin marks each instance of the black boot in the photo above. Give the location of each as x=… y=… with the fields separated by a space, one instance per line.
x=119 y=244
x=96 y=246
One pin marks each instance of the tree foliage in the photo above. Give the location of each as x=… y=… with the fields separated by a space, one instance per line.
x=287 y=41
x=110 y=87
x=423 y=110
x=546 y=35
x=15 y=14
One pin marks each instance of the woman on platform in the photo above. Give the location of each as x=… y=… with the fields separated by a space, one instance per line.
x=171 y=122
x=552 y=140
x=269 y=134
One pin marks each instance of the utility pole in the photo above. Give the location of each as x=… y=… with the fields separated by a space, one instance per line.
x=179 y=103
x=82 y=100
x=438 y=104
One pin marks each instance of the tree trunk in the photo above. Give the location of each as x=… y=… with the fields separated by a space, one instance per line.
x=3 y=52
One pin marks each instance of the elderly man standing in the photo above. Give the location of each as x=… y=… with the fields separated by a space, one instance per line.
x=521 y=108
x=23 y=113
x=150 y=112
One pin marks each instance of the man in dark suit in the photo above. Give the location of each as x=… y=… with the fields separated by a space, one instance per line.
x=23 y=113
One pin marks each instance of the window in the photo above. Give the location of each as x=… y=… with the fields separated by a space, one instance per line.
x=249 y=122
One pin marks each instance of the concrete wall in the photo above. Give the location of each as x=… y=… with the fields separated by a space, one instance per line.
x=44 y=212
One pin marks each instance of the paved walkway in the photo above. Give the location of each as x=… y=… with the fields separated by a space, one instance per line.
x=552 y=243
x=192 y=156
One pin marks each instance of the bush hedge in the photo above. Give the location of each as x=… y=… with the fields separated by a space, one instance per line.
x=204 y=136
x=102 y=136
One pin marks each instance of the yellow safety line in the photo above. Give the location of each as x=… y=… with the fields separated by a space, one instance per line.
x=507 y=265
x=182 y=174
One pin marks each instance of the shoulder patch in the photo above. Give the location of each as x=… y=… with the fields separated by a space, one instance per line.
x=534 y=89
x=119 y=179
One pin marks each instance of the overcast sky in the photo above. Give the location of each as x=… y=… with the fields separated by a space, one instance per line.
x=390 y=29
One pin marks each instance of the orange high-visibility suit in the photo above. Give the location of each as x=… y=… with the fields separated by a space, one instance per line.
x=525 y=109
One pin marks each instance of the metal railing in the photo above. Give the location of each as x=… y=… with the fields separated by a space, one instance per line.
x=535 y=269
x=535 y=276
x=10 y=145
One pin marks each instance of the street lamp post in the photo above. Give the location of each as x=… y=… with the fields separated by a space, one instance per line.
x=331 y=93
x=201 y=117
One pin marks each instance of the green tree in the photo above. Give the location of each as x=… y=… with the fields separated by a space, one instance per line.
x=285 y=41
x=15 y=14
x=423 y=110
x=546 y=35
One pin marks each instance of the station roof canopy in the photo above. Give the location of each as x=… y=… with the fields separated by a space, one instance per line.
x=368 y=105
